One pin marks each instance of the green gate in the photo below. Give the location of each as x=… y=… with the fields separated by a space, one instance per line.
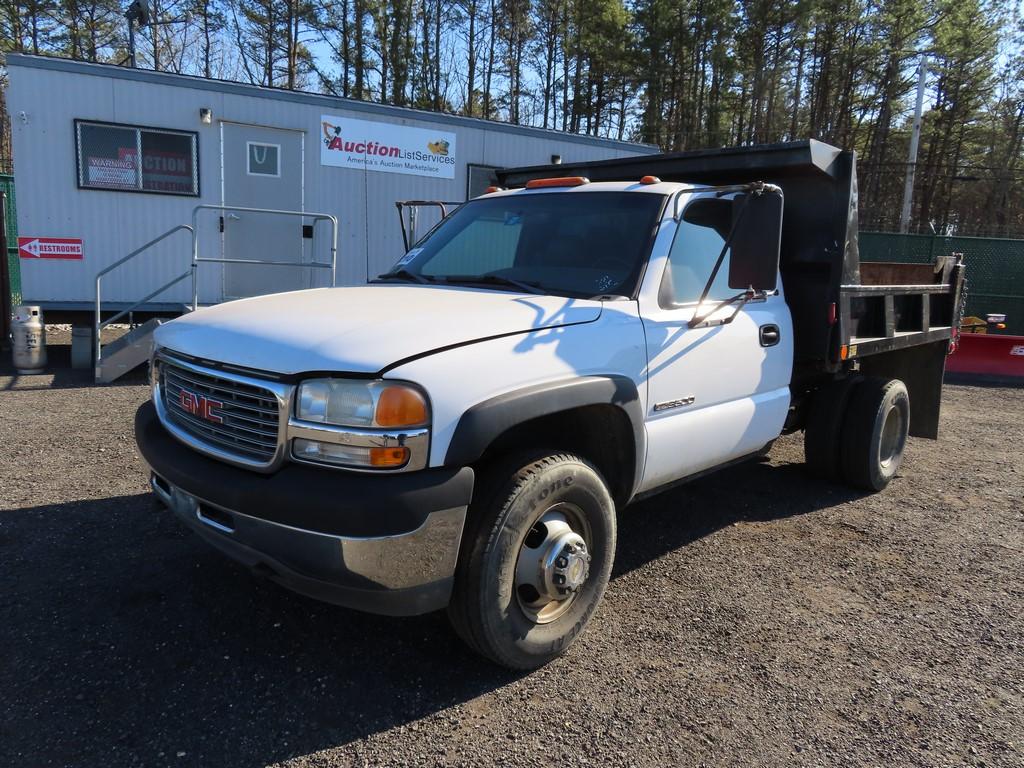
x=11 y=228
x=995 y=267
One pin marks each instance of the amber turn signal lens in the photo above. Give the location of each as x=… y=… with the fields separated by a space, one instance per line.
x=401 y=407
x=388 y=457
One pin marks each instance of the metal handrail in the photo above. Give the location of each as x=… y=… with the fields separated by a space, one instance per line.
x=99 y=325
x=196 y=259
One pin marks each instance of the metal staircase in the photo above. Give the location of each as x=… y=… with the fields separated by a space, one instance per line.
x=115 y=359
x=127 y=352
x=138 y=342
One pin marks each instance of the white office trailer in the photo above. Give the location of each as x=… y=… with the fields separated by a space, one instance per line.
x=109 y=158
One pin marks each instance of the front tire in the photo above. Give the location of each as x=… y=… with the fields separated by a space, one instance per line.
x=535 y=560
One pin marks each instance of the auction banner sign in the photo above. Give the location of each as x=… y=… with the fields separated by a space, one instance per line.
x=348 y=143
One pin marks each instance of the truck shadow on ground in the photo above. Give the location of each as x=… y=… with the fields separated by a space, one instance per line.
x=128 y=641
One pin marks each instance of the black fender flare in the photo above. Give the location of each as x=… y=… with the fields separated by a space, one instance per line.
x=484 y=422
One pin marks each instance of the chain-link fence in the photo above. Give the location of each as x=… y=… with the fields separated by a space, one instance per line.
x=995 y=267
x=11 y=229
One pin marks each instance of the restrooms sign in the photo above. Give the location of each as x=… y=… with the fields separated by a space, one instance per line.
x=348 y=143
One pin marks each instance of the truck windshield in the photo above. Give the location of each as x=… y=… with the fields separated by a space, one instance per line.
x=578 y=244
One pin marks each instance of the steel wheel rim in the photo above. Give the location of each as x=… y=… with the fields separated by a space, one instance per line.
x=892 y=439
x=548 y=576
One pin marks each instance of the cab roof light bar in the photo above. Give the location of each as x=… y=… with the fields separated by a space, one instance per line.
x=558 y=181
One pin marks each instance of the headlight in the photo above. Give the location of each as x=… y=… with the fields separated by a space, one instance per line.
x=361 y=424
x=355 y=403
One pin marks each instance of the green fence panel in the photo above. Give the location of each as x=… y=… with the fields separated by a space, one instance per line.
x=11 y=228
x=995 y=267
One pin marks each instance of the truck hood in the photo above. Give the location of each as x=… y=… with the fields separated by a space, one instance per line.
x=363 y=329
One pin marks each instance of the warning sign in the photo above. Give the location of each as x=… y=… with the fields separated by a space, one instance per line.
x=50 y=248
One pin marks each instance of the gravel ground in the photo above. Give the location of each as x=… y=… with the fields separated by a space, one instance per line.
x=756 y=617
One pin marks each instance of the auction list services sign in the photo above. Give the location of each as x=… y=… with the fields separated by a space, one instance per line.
x=347 y=143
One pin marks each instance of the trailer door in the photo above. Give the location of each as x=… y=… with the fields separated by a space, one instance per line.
x=262 y=168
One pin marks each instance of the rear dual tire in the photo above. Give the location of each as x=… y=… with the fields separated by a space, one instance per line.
x=857 y=431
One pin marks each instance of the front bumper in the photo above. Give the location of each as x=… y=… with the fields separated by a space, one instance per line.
x=380 y=544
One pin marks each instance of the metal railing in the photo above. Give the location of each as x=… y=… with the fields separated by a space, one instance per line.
x=99 y=324
x=197 y=259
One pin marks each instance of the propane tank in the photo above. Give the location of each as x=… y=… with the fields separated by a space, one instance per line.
x=29 y=339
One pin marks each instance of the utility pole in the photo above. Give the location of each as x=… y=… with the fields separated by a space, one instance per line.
x=915 y=138
x=137 y=13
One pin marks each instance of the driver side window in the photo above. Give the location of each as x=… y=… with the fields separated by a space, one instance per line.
x=698 y=242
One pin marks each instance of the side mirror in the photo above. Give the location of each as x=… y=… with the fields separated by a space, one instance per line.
x=756 y=242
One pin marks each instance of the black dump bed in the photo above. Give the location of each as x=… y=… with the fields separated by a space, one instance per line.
x=838 y=312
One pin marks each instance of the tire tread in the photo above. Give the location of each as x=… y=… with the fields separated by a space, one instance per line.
x=858 y=430
x=497 y=484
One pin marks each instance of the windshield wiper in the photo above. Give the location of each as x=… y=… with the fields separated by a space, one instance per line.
x=528 y=287
x=406 y=275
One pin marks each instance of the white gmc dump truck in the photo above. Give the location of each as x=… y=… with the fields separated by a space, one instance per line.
x=461 y=432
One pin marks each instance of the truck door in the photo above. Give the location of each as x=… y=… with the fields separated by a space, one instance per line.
x=718 y=391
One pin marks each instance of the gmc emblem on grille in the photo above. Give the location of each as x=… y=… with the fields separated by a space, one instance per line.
x=201 y=406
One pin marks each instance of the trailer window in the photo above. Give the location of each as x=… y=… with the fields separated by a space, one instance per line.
x=695 y=249
x=478 y=179
x=108 y=157
x=263 y=159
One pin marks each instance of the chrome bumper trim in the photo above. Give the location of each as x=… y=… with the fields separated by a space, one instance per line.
x=403 y=574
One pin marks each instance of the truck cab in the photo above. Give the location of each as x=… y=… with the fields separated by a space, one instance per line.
x=461 y=433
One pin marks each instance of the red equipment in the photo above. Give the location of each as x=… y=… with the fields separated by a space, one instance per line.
x=988 y=355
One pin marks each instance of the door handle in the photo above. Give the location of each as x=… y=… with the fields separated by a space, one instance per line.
x=769 y=335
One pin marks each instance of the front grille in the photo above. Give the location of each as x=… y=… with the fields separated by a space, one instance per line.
x=249 y=418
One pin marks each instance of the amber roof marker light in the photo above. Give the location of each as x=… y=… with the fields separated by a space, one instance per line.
x=650 y=180
x=561 y=181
